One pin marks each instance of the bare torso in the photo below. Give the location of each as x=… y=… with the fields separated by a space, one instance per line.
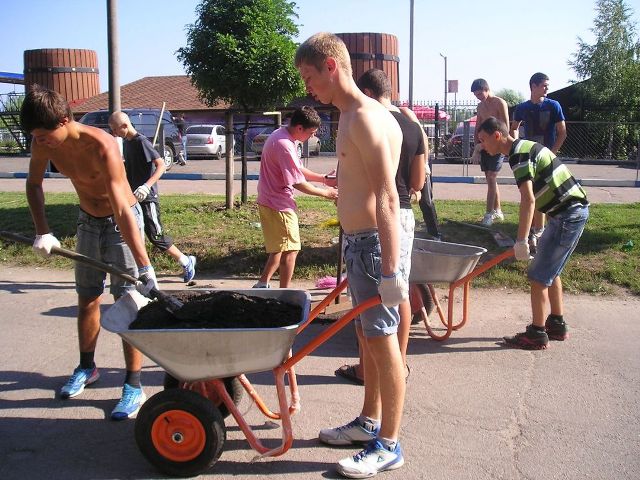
x=492 y=107
x=85 y=160
x=368 y=151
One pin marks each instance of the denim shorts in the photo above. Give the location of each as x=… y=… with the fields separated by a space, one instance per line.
x=362 y=257
x=490 y=163
x=100 y=238
x=557 y=243
x=407 y=228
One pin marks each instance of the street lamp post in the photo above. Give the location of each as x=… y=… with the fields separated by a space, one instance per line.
x=411 y=55
x=445 y=82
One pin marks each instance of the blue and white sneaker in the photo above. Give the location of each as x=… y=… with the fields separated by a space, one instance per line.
x=189 y=269
x=373 y=459
x=131 y=401
x=80 y=378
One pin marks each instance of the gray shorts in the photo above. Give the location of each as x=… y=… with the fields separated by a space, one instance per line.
x=407 y=229
x=100 y=238
x=362 y=257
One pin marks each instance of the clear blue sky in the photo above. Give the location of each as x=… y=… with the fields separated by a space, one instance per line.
x=499 y=40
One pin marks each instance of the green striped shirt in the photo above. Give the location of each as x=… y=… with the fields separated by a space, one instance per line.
x=553 y=185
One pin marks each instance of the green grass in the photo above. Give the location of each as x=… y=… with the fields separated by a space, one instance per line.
x=229 y=242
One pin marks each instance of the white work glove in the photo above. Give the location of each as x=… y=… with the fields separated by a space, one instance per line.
x=393 y=290
x=521 y=250
x=142 y=192
x=43 y=244
x=146 y=280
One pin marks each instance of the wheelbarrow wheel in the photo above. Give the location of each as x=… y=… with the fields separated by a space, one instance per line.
x=424 y=293
x=180 y=433
x=232 y=385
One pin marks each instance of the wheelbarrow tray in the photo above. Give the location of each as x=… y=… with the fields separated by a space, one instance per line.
x=202 y=354
x=442 y=262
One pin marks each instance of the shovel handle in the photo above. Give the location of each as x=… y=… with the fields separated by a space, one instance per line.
x=173 y=303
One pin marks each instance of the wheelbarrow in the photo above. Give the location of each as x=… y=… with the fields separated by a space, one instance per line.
x=435 y=262
x=181 y=431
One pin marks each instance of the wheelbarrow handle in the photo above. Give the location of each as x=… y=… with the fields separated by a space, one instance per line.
x=172 y=303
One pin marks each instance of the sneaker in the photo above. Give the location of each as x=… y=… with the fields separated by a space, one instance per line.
x=497 y=215
x=189 y=269
x=131 y=401
x=556 y=329
x=352 y=432
x=530 y=339
x=261 y=285
x=487 y=220
x=80 y=378
x=370 y=461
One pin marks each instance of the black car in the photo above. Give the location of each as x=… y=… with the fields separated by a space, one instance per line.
x=144 y=120
x=452 y=148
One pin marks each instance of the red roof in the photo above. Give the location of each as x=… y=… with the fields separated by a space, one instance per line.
x=149 y=92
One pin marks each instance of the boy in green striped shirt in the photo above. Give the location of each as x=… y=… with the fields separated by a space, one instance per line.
x=546 y=185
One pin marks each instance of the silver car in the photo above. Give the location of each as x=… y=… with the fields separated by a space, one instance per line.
x=258 y=143
x=206 y=141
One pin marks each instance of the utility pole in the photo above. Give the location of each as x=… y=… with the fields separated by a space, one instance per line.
x=114 y=62
x=411 y=56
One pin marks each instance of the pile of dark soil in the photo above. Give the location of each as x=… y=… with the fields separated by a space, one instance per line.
x=221 y=309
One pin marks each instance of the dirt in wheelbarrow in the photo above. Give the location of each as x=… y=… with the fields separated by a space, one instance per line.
x=222 y=309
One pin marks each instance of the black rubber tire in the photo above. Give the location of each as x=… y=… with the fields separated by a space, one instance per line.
x=232 y=384
x=189 y=405
x=427 y=301
x=218 y=155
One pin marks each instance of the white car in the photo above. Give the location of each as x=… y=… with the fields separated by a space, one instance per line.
x=206 y=141
x=258 y=143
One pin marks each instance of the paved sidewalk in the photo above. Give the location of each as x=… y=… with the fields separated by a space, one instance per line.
x=474 y=410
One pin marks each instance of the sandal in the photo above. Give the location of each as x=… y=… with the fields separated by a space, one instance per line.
x=349 y=372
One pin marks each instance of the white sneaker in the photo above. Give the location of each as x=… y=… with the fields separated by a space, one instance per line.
x=498 y=215
x=370 y=461
x=487 y=220
x=352 y=432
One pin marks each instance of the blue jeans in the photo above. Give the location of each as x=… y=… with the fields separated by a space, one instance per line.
x=362 y=257
x=100 y=238
x=557 y=243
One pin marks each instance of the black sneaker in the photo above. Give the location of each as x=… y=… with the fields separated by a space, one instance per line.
x=530 y=339
x=556 y=329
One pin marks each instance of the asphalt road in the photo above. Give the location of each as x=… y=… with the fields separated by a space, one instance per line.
x=474 y=410
x=602 y=180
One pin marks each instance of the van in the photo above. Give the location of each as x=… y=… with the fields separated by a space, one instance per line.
x=144 y=120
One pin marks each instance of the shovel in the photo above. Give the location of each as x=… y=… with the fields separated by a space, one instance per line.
x=172 y=304
x=502 y=239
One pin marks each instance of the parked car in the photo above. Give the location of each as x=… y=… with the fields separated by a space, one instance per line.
x=206 y=141
x=452 y=148
x=258 y=143
x=144 y=120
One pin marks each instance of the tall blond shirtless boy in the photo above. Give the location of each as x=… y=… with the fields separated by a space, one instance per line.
x=489 y=106
x=109 y=226
x=368 y=151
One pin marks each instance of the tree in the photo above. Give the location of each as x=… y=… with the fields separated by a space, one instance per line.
x=510 y=96
x=241 y=52
x=611 y=68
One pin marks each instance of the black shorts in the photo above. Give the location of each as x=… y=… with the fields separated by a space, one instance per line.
x=153 y=226
x=490 y=163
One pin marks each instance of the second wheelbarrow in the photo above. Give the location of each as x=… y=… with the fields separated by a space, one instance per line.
x=435 y=262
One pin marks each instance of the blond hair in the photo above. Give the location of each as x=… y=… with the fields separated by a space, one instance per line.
x=317 y=48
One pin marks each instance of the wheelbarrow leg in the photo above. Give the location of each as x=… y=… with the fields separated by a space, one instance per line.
x=465 y=282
